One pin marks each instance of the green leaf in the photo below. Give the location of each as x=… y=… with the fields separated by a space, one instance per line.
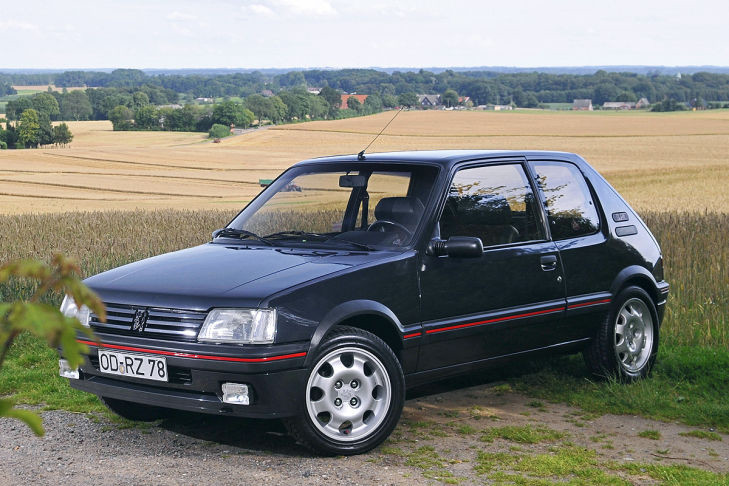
x=31 y=419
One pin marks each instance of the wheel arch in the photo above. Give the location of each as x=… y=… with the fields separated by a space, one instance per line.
x=368 y=315
x=639 y=276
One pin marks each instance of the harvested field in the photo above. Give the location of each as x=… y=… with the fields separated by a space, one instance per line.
x=659 y=161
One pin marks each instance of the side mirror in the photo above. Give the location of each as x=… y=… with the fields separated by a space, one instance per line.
x=217 y=232
x=456 y=246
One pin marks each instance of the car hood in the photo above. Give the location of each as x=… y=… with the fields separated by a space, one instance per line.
x=215 y=275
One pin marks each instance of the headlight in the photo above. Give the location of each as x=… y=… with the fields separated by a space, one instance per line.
x=241 y=326
x=70 y=309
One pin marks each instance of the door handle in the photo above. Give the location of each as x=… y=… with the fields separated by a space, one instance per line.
x=548 y=262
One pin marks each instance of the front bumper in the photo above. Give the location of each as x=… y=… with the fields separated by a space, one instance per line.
x=275 y=375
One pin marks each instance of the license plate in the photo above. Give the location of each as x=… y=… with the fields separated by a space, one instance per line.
x=133 y=365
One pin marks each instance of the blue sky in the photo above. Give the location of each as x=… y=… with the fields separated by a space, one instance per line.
x=360 y=33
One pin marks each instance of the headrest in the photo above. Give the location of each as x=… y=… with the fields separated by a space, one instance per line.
x=403 y=210
x=484 y=209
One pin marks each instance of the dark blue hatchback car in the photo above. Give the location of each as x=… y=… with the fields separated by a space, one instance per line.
x=321 y=305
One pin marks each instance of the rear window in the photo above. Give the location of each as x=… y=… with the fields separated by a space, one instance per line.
x=570 y=208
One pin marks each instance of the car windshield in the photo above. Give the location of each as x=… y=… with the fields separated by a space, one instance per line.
x=362 y=206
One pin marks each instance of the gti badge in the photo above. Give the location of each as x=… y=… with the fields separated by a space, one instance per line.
x=140 y=320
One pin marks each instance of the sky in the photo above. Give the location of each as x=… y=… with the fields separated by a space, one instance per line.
x=360 y=33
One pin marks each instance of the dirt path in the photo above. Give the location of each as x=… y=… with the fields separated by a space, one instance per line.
x=451 y=436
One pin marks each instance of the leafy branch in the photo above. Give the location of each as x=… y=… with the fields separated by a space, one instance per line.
x=44 y=320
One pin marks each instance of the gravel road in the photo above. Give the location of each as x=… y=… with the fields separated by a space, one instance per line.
x=201 y=450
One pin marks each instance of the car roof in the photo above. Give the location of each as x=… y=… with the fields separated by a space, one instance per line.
x=441 y=157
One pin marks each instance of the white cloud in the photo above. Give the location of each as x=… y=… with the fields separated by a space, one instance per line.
x=318 y=8
x=18 y=25
x=259 y=9
x=180 y=16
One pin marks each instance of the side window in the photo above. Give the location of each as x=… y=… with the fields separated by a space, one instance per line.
x=494 y=203
x=570 y=208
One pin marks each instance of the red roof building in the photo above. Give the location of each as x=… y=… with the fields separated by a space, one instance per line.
x=345 y=97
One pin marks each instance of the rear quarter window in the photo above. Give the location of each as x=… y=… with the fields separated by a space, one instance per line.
x=571 y=211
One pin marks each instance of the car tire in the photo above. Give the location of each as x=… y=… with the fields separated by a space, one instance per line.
x=354 y=395
x=626 y=343
x=135 y=411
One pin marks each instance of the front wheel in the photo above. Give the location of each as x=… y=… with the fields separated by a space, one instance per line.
x=354 y=395
x=627 y=341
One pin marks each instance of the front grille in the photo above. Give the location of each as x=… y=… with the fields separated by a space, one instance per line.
x=180 y=376
x=171 y=324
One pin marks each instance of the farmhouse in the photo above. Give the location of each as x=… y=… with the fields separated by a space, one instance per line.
x=345 y=97
x=582 y=105
x=618 y=105
x=429 y=100
x=626 y=105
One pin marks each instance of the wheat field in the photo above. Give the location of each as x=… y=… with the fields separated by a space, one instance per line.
x=658 y=161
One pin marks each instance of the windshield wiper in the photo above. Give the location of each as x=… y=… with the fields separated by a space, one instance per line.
x=317 y=236
x=242 y=234
x=361 y=246
x=281 y=235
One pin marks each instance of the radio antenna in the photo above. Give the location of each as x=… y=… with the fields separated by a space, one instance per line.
x=361 y=155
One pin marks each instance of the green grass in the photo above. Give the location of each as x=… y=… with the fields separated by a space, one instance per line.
x=650 y=434
x=431 y=464
x=688 y=384
x=577 y=466
x=30 y=373
x=522 y=434
x=702 y=434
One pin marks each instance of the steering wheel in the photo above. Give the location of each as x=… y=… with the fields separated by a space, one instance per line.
x=380 y=225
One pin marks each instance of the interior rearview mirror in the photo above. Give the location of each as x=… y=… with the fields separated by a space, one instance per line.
x=352 y=181
x=456 y=246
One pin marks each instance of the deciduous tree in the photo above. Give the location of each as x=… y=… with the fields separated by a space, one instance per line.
x=121 y=118
x=62 y=135
x=29 y=128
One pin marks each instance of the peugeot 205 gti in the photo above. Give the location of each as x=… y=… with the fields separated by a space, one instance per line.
x=321 y=306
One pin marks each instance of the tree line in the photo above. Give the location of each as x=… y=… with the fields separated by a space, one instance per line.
x=32 y=127
x=483 y=87
x=287 y=106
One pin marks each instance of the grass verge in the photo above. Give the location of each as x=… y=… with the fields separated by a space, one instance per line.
x=688 y=384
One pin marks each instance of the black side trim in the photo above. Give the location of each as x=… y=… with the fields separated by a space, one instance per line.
x=422 y=377
x=551 y=309
x=582 y=304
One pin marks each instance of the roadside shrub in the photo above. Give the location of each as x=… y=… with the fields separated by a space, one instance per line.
x=218 y=131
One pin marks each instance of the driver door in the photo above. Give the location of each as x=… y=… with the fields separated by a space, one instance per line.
x=509 y=299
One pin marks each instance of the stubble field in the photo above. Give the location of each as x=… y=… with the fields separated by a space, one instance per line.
x=675 y=161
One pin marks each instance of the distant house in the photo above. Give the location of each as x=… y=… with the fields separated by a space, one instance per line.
x=174 y=106
x=464 y=99
x=204 y=100
x=429 y=100
x=267 y=93
x=503 y=107
x=314 y=91
x=582 y=105
x=618 y=105
x=345 y=97
x=642 y=103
